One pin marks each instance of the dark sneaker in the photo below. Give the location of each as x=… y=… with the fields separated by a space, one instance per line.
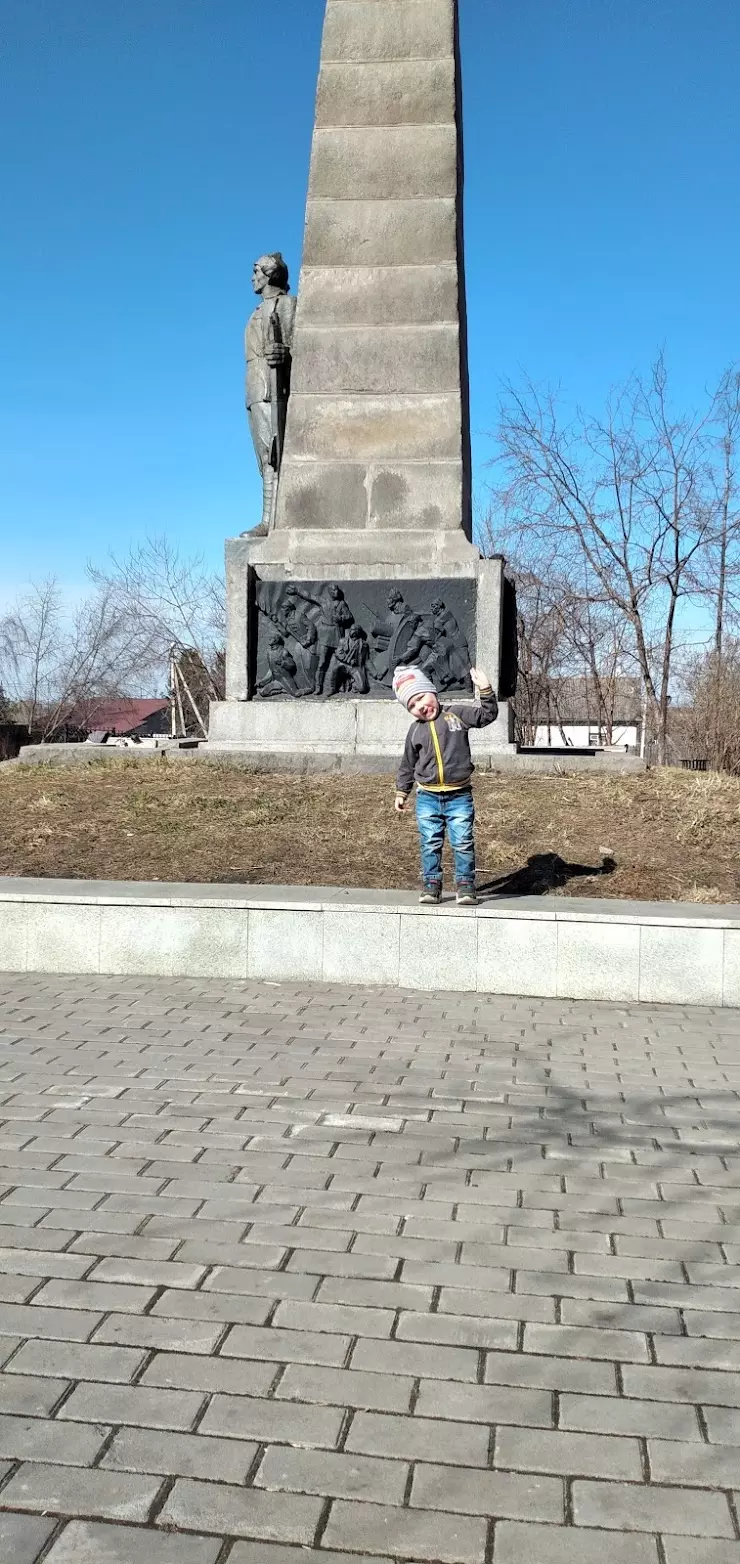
x=466 y=896
x=431 y=893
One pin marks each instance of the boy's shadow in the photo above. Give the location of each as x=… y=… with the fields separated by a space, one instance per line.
x=542 y=872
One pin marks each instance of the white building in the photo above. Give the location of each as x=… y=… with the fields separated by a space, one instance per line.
x=578 y=714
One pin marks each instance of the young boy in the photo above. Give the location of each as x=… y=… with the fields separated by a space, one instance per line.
x=437 y=757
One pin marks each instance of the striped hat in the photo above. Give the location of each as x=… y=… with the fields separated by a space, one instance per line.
x=408 y=682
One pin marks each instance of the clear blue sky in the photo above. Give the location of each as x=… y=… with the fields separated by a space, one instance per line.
x=149 y=149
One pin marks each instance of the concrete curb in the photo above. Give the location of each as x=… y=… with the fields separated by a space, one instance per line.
x=306 y=763
x=661 y=952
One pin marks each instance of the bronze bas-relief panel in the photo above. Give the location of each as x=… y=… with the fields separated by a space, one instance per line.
x=329 y=639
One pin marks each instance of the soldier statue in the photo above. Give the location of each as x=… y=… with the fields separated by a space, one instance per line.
x=268 y=343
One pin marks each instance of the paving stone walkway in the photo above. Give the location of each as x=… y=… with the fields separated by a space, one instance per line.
x=307 y=1276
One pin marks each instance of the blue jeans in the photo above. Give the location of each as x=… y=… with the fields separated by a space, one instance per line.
x=453 y=813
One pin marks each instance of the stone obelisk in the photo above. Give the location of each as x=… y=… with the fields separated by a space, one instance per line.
x=370 y=558
x=378 y=435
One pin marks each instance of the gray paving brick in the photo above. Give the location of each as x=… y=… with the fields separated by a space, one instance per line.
x=416 y=1534
x=23 y=1536
x=511 y=1368
x=457 y=1330
x=568 y=1454
x=98 y=1297
x=33 y=1262
x=133 y=1330
x=519 y=1543
x=275 y=1553
x=715 y=1299
x=612 y=1414
x=286 y=1346
x=337 y=1475
x=579 y=1342
x=695 y=1352
x=677 y=1384
x=419 y=1439
x=240 y=1512
x=508 y=1494
x=16 y=1289
x=29 y=1395
x=401 y=1357
x=484 y=1404
x=189 y=1372
x=498 y=1305
x=683 y=1550
x=549 y=1284
x=135 y=1248
x=343 y=1319
x=226 y=1308
x=372 y=1294
x=709 y=1466
x=42 y=1439
x=627 y=1507
x=72 y=1360
x=245 y=1417
x=259 y=1284
x=71 y=1491
x=373 y=1267
x=34 y=1239
x=475 y=1277
x=181 y=1455
x=723 y=1424
x=134 y=1404
x=389 y=1392
x=703 y=1322
x=87 y=1542
x=22 y=1320
x=256 y=1257
x=147 y=1273
x=620 y=1316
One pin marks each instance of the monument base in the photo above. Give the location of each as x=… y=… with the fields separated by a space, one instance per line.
x=310 y=560
x=346 y=725
x=342 y=727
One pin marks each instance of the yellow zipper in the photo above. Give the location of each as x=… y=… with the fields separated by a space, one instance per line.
x=438 y=753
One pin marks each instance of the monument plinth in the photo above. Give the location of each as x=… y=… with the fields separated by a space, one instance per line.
x=369 y=555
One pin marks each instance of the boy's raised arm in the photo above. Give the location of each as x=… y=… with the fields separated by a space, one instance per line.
x=484 y=713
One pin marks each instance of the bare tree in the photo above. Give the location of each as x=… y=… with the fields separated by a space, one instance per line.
x=630 y=503
x=602 y=647
x=167 y=600
x=57 y=659
x=708 y=725
x=53 y=662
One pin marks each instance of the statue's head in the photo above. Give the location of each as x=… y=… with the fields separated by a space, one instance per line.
x=438 y=606
x=395 y=598
x=276 y=640
x=270 y=271
x=336 y=593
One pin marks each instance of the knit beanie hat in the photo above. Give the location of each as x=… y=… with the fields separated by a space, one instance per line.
x=408 y=682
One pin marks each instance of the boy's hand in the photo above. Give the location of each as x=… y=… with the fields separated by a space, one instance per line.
x=480 y=679
x=401 y=803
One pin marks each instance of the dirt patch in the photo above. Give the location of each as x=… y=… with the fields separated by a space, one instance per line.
x=674 y=836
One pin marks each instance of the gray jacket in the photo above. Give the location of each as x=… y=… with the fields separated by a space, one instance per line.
x=437 y=754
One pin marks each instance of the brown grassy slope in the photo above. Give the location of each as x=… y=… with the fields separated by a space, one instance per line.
x=674 y=835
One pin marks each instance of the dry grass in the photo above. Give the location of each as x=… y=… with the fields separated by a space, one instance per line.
x=674 y=835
